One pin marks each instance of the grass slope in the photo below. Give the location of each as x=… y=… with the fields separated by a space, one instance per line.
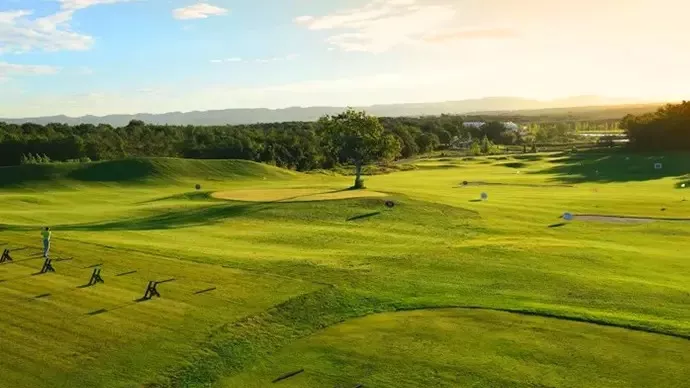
x=456 y=347
x=287 y=271
x=153 y=170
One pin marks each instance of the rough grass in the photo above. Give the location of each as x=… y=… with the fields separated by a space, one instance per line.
x=287 y=273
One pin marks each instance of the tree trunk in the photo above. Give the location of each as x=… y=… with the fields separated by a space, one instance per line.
x=358 y=176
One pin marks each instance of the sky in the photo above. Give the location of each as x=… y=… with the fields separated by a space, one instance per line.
x=79 y=57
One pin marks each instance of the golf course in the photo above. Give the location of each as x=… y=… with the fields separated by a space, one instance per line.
x=272 y=277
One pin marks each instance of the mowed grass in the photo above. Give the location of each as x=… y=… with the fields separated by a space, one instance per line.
x=294 y=195
x=458 y=347
x=286 y=273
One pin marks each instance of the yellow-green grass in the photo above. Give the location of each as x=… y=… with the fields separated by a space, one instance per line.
x=285 y=270
x=473 y=348
x=294 y=195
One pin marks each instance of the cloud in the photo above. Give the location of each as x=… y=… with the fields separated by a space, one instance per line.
x=20 y=32
x=289 y=57
x=382 y=25
x=451 y=35
x=10 y=69
x=81 y=4
x=226 y=60
x=198 y=11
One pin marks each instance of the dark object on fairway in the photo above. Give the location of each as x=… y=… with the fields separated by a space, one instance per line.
x=198 y=186
x=390 y=204
x=151 y=289
x=5 y=256
x=205 y=291
x=96 y=312
x=465 y=183
x=557 y=225
x=288 y=375
x=96 y=277
x=126 y=273
x=47 y=266
x=663 y=209
x=41 y=296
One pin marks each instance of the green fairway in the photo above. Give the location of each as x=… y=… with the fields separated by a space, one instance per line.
x=450 y=348
x=279 y=271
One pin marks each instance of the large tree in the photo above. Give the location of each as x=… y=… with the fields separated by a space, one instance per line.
x=357 y=138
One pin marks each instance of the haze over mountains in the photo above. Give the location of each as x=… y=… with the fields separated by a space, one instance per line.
x=493 y=105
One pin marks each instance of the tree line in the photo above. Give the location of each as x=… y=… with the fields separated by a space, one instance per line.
x=294 y=145
x=666 y=129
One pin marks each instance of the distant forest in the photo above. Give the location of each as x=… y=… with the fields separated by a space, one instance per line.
x=666 y=129
x=293 y=145
x=297 y=146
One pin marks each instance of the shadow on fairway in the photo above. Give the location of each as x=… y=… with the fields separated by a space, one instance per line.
x=172 y=220
x=362 y=216
x=557 y=225
x=616 y=166
x=531 y=158
x=191 y=196
x=514 y=165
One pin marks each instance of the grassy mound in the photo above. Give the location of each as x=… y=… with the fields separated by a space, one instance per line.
x=294 y=195
x=145 y=170
x=474 y=348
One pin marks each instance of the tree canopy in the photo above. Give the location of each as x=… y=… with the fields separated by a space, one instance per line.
x=666 y=129
x=357 y=138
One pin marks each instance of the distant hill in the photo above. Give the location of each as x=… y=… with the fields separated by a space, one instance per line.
x=593 y=113
x=493 y=105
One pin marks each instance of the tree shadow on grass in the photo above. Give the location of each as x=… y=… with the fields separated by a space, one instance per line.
x=175 y=219
x=529 y=157
x=616 y=166
x=190 y=196
x=171 y=220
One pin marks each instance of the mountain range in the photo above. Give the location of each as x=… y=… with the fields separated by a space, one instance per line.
x=490 y=105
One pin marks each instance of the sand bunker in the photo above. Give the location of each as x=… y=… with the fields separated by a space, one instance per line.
x=294 y=195
x=623 y=219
